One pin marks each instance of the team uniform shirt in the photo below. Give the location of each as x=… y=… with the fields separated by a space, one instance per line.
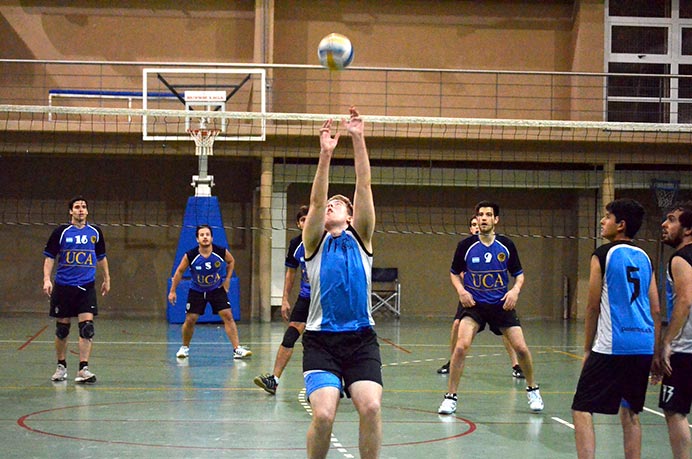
x=625 y=325
x=77 y=251
x=340 y=276
x=295 y=258
x=486 y=269
x=683 y=342
x=208 y=273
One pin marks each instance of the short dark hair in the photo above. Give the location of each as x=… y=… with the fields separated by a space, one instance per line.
x=628 y=210
x=302 y=212
x=685 y=217
x=496 y=207
x=345 y=200
x=472 y=219
x=199 y=227
x=75 y=199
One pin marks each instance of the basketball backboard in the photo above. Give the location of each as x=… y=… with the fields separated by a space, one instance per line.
x=203 y=89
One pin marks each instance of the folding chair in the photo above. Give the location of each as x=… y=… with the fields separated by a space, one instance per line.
x=386 y=290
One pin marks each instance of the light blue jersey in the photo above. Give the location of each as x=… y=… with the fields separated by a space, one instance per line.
x=625 y=325
x=339 y=273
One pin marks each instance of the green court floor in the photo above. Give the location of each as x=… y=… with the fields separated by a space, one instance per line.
x=147 y=404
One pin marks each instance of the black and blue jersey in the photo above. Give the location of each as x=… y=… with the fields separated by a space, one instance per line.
x=77 y=251
x=207 y=273
x=486 y=269
x=295 y=258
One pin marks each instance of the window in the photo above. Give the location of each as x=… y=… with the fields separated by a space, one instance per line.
x=648 y=50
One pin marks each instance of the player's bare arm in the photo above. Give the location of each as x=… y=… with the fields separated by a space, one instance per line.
x=314 y=222
x=363 y=203
x=593 y=305
x=177 y=277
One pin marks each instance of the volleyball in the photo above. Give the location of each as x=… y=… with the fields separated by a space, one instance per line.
x=335 y=51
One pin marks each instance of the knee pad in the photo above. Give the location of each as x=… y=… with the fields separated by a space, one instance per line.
x=86 y=329
x=62 y=330
x=290 y=337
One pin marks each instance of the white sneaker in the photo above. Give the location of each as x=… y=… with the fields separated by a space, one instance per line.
x=240 y=352
x=535 y=399
x=84 y=376
x=448 y=405
x=183 y=352
x=60 y=373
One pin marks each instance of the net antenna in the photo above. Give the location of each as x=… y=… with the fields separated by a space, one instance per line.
x=204 y=147
x=666 y=192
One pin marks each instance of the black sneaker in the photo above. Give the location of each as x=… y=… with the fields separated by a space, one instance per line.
x=444 y=369
x=517 y=373
x=267 y=382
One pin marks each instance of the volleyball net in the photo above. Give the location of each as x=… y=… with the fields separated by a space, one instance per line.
x=548 y=176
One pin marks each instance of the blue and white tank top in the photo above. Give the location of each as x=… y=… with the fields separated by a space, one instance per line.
x=340 y=276
x=625 y=325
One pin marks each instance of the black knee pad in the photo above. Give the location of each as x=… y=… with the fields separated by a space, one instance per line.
x=62 y=330
x=290 y=337
x=86 y=329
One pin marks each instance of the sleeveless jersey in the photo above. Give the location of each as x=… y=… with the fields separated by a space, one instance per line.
x=295 y=258
x=486 y=268
x=340 y=273
x=77 y=250
x=625 y=325
x=683 y=342
x=207 y=273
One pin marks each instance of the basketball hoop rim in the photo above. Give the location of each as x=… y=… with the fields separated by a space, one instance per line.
x=203 y=132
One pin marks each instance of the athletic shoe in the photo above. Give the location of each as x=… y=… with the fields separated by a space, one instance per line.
x=535 y=399
x=267 y=382
x=84 y=376
x=183 y=352
x=448 y=405
x=517 y=373
x=60 y=373
x=240 y=352
x=444 y=369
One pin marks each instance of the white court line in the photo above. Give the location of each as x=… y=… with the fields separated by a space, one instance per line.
x=335 y=441
x=563 y=422
x=657 y=413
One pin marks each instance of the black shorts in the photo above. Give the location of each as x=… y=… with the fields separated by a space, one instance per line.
x=606 y=380
x=351 y=356
x=676 y=389
x=197 y=301
x=299 y=313
x=71 y=301
x=491 y=314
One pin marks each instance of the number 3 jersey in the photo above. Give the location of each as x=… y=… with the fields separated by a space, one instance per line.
x=486 y=269
x=207 y=273
x=625 y=325
x=77 y=251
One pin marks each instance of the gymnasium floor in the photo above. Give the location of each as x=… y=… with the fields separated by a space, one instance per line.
x=146 y=404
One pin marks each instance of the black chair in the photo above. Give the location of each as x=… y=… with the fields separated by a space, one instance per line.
x=386 y=290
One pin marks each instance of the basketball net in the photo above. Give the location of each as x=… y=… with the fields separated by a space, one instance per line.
x=204 y=140
x=666 y=191
x=204 y=147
